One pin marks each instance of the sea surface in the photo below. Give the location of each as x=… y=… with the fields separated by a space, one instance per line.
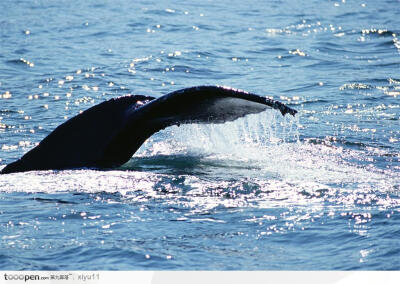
x=320 y=191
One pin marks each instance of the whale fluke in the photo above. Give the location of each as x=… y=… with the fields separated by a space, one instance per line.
x=108 y=134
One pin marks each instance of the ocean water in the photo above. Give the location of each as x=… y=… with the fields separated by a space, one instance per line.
x=266 y=192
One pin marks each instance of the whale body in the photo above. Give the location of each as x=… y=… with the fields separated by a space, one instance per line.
x=108 y=134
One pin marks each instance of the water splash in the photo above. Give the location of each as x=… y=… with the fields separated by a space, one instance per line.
x=264 y=149
x=229 y=139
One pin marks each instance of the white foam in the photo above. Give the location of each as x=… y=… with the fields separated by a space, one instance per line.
x=262 y=150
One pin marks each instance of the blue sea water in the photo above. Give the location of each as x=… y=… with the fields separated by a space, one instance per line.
x=318 y=191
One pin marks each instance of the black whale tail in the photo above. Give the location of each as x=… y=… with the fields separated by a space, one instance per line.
x=108 y=134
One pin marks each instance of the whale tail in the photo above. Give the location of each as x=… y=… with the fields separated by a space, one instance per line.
x=108 y=134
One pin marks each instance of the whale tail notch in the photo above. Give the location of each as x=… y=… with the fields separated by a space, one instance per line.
x=108 y=134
